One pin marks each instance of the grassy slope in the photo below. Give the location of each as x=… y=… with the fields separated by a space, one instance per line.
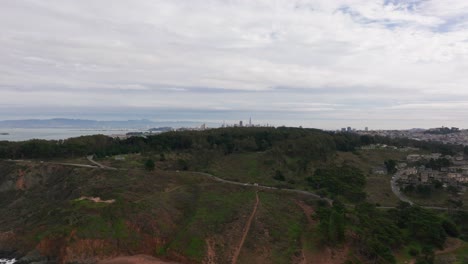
x=185 y=210
x=246 y=167
x=181 y=209
x=258 y=167
x=279 y=222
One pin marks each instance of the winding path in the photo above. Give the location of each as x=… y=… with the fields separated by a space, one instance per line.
x=91 y=159
x=255 y=185
x=396 y=190
x=258 y=186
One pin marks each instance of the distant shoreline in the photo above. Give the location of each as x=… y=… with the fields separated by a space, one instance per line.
x=23 y=134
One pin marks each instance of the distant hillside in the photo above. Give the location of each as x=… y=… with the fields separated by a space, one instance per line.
x=83 y=123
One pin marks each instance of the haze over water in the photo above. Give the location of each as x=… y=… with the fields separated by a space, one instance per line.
x=21 y=134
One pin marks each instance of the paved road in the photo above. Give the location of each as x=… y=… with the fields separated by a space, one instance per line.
x=263 y=186
x=396 y=189
x=58 y=163
x=91 y=159
x=329 y=201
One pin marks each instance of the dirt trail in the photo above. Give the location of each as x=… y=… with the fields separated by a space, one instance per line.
x=138 y=259
x=451 y=244
x=308 y=211
x=246 y=230
x=96 y=199
x=91 y=159
x=174 y=188
x=211 y=254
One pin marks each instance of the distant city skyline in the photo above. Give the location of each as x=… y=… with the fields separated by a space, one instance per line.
x=379 y=64
x=226 y=123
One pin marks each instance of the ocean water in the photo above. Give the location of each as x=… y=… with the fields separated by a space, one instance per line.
x=7 y=261
x=21 y=134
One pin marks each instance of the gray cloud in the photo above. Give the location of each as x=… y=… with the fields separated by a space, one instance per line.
x=375 y=63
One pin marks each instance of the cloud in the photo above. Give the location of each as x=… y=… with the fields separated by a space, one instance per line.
x=354 y=56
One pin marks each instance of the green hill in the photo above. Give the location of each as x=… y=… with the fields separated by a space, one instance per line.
x=263 y=207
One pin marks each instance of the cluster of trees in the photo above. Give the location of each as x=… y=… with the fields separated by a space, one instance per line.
x=308 y=144
x=331 y=226
x=74 y=147
x=421 y=189
x=391 y=166
x=377 y=234
x=437 y=164
x=346 y=181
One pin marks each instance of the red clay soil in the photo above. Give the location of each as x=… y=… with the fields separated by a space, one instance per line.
x=330 y=256
x=211 y=254
x=308 y=211
x=138 y=259
x=21 y=182
x=246 y=231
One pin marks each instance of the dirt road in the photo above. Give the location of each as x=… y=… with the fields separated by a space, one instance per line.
x=138 y=259
x=246 y=231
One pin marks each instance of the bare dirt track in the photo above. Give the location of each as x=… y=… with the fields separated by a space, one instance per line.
x=246 y=231
x=138 y=259
x=211 y=254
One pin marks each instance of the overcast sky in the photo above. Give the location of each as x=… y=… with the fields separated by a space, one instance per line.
x=321 y=63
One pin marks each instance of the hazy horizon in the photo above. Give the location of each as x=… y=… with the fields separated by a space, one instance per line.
x=389 y=64
x=326 y=125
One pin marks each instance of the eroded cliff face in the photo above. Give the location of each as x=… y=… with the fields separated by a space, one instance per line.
x=22 y=176
x=73 y=249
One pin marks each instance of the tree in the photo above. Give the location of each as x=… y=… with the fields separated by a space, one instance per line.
x=279 y=176
x=149 y=165
x=336 y=227
x=427 y=256
x=391 y=166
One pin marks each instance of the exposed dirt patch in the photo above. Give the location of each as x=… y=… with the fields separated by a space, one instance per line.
x=211 y=253
x=21 y=182
x=308 y=211
x=96 y=199
x=138 y=259
x=330 y=256
x=246 y=230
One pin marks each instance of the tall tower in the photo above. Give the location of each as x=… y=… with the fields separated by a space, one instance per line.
x=250 y=121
